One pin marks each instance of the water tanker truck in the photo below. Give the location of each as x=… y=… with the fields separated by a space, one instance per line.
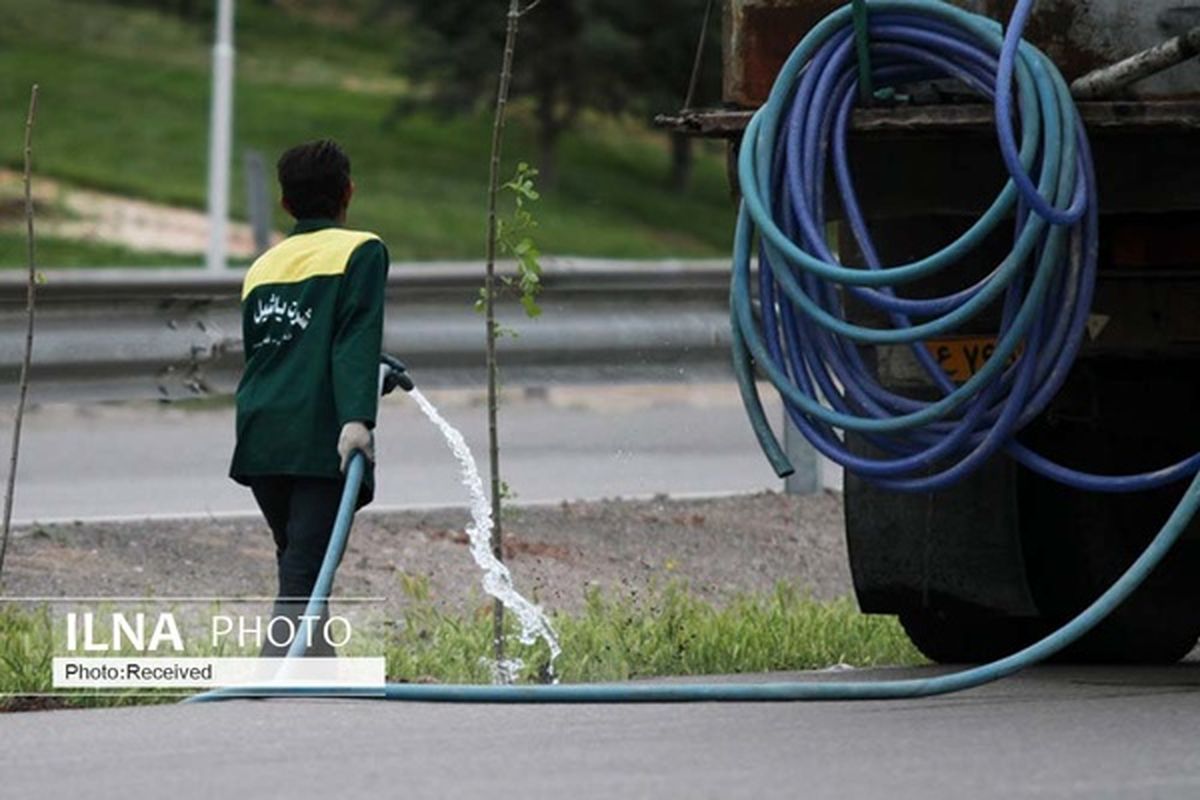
x=981 y=568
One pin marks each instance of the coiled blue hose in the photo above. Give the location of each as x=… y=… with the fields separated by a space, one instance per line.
x=806 y=347
x=803 y=343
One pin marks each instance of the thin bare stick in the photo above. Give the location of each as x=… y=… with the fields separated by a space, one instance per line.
x=29 y=300
x=489 y=290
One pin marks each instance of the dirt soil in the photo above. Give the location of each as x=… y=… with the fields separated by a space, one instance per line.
x=718 y=546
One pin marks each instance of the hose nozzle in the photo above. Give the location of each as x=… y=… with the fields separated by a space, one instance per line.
x=395 y=374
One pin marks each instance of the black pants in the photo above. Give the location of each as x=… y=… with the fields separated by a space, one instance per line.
x=300 y=512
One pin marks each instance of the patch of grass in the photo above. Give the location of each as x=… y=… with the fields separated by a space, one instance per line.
x=129 y=113
x=30 y=638
x=27 y=649
x=55 y=252
x=668 y=631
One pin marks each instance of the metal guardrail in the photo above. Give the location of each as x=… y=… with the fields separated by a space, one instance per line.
x=176 y=333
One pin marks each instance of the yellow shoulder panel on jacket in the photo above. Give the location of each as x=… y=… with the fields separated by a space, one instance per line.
x=305 y=255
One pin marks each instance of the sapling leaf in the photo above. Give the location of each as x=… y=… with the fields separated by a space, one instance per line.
x=532 y=309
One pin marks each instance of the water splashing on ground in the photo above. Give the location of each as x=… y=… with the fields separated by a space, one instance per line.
x=497 y=580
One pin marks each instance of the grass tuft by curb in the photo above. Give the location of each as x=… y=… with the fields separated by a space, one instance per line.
x=663 y=631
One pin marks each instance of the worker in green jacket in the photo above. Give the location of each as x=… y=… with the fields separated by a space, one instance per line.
x=312 y=326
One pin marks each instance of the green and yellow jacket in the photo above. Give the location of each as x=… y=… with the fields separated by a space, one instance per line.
x=312 y=324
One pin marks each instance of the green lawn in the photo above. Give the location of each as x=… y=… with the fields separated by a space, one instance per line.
x=124 y=104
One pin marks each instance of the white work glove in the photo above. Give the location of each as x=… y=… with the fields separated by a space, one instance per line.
x=355 y=436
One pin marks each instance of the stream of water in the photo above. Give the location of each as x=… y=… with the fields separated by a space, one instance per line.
x=497 y=580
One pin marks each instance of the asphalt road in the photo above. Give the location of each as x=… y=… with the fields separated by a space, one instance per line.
x=1054 y=732
x=570 y=442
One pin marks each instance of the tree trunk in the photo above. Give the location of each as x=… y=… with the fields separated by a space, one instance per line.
x=549 y=131
x=682 y=159
x=547 y=166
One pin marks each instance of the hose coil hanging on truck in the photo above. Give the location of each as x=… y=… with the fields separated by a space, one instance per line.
x=803 y=341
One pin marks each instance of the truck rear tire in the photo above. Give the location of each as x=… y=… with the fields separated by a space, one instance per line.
x=1129 y=636
x=1115 y=416
x=966 y=637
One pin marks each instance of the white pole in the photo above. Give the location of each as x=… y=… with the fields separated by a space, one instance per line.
x=219 y=137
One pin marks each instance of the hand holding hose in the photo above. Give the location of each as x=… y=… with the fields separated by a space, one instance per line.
x=355 y=436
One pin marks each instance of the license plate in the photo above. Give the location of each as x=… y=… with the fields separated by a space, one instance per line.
x=962 y=356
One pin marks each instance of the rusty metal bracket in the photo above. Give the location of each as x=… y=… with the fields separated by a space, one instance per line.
x=1134 y=115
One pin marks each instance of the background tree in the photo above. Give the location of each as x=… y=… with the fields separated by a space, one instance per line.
x=188 y=9
x=659 y=73
x=609 y=56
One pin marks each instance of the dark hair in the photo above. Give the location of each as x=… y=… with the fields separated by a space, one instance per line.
x=314 y=177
